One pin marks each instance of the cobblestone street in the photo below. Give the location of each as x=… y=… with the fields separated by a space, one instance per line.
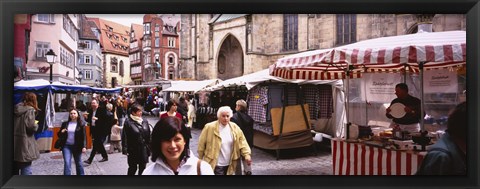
x=291 y=162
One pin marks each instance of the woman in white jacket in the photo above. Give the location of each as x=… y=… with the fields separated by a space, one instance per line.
x=171 y=154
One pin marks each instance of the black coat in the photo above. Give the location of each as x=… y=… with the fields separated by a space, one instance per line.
x=103 y=125
x=136 y=140
x=80 y=140
x=245 y=122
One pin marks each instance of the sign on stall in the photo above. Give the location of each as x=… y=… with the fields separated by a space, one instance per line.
x=440 y=81
x=380 y=87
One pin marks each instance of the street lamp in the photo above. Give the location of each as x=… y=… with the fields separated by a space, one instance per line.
x=51 y=60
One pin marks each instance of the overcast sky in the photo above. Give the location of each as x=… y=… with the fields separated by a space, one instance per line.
x=124 y=19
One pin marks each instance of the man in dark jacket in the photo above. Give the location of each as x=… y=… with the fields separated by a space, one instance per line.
x=245 y=122
x=98 y=121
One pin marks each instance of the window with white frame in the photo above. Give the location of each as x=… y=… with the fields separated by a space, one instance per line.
x=146 y=28
x=46 y=18
x=113 y=64
x=41 y=49
x=88 y=44
x=157 y=42
x=66 y=58
x=87 y=59
x=170 y=59
x=171 y=42
x=88 y=74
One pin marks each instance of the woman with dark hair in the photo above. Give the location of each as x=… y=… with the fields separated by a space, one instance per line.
x=73 y=142
x=448 y=155
x=172 y=106
x=170 y=152
x=136 y=140
x=24 y=144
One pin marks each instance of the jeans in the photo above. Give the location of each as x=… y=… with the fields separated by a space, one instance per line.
x=24 y=167
x=68 y=151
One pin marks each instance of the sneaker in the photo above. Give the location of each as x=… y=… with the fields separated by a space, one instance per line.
x=103 y=160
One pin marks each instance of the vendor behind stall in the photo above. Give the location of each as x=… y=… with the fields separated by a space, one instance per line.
x=408 y=120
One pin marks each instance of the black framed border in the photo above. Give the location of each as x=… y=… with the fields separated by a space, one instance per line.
x=8 y=8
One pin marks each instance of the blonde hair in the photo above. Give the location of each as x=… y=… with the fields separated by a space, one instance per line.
x=109 y=106
x=242 y=104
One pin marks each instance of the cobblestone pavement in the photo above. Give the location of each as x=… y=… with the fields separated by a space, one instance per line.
x=292 y=162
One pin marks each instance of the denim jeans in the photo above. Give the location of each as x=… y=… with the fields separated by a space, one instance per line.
x=24 y=167
x=68 y=151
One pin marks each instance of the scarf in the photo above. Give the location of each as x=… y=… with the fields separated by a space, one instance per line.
x=139 y=120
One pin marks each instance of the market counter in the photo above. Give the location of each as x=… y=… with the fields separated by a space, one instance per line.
x=361 y=159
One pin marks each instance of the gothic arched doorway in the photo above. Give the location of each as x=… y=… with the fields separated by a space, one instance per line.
x=230 y=59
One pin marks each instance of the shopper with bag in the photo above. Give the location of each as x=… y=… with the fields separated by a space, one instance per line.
x=72 y=142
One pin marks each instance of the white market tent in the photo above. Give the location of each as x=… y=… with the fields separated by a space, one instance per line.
x=190 y=86
x=413 y=53
x=253 y=79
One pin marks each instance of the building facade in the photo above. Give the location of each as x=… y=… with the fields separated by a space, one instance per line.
x=115 y=42
x=160 y=47
x=135 y=53
x=89 y=53
x=58 y=32
x=230 y=45
x=22 y=28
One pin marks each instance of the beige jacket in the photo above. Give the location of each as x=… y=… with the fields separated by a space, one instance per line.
x=209 y=145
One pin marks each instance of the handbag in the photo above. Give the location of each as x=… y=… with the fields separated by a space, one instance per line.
x=58 y=144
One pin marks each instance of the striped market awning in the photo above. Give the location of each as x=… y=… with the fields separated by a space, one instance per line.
x=387 y=54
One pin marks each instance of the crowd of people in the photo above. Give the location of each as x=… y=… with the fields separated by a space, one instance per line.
x=224 y=145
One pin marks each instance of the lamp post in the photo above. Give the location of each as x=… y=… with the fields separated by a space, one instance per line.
x=51 y=60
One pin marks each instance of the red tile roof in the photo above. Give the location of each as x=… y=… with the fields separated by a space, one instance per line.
x=115 y=38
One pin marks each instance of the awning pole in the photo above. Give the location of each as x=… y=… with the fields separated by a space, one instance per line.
x=347 y=133
x=422 y=104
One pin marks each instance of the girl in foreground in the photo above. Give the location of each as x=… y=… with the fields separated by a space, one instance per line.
x=169 y=152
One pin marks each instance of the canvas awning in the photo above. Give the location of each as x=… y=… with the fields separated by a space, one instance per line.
x=385 y=54
x=190 y=86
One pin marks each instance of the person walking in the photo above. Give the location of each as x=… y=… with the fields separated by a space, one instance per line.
x=221 y=143
x=24 y=145
x=245 y=122
x=136 y=140
x=72 y=142
x=172 y=107
x=171 y=154
x=97 y=119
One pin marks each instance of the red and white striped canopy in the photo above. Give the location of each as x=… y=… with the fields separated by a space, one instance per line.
x=386 y=54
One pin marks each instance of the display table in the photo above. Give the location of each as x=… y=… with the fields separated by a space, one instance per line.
x=360 y=159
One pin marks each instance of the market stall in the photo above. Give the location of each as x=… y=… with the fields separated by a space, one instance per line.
x=287 y=111
x=49 y=120
x=439 y=55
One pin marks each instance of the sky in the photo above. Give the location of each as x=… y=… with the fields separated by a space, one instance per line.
x=124 y=19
